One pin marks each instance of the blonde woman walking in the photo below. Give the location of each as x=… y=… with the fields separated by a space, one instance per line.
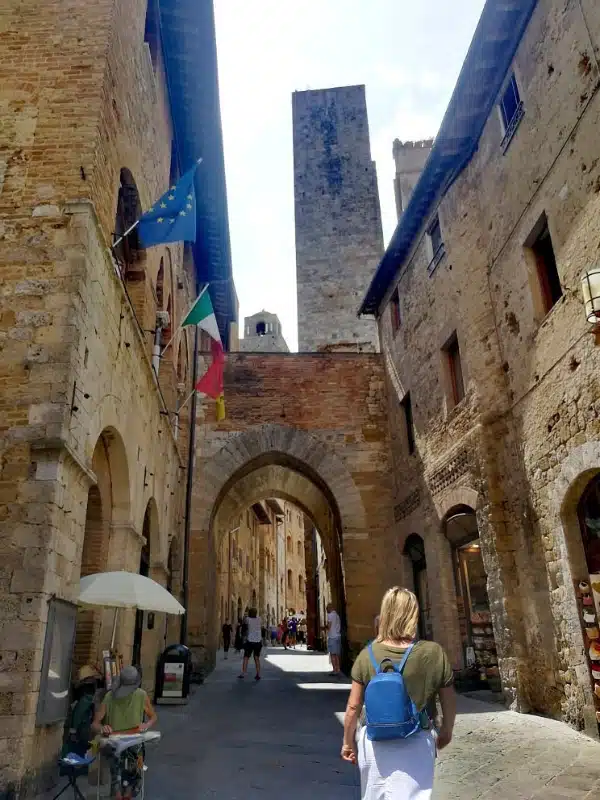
x=400 y=768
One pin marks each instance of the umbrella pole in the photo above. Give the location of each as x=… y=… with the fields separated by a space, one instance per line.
x=114 y=631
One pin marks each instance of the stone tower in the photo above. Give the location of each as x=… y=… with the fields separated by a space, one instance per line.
x=410 y=158
x=339 y=238
x=262 y=334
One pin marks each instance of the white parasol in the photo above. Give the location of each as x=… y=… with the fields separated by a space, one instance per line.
x=126 y=590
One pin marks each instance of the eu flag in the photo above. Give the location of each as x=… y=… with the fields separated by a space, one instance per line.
x=173 y=217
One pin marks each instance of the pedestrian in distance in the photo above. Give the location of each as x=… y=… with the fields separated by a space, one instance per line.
x=238 y=642
x=394 y=678
x=226 y=631
x=292 y=630
x=284 y=632
x=274 y=633
x=334 y=638
x=253 y=643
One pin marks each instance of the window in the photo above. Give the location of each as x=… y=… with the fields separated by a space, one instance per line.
x=540 y=243
x=261 y=328
x=299 y=548
x=290 y=582
x=408 y=419
x=290 y=548
x=395 y=311
x=300 y=584
x=436 y=244
x=457 y=386
x=151 y=31
x=511 y=110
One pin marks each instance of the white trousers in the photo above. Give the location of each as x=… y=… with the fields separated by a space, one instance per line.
x=399 y=769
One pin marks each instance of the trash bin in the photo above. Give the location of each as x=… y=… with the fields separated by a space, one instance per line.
x=173 y=675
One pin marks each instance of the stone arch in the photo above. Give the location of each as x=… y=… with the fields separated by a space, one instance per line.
x=108 y=504
x=280 y=443
x=456 y=496
x=272 y=461
x=129 y=209
x=564 y=494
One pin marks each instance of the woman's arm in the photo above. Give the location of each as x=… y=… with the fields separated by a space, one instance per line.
x=353 y=709
x=448 y=702
x=150 y=714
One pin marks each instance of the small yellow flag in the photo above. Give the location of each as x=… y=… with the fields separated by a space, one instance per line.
x=220 y=408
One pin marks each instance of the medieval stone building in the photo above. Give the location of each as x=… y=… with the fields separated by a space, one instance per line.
x=492 y=373
x=93 y=454
x=339 y=238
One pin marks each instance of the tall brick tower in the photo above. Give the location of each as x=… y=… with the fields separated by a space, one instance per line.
x=339 y=238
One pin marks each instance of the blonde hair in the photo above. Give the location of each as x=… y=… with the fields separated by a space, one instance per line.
x=399 y=615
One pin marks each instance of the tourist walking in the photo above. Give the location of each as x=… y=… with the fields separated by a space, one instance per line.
x=253 y=643
x=284 y=632
x=398 y=768
x=334 y=638
x=238 y=641
x=226 y=631
x=292 y=630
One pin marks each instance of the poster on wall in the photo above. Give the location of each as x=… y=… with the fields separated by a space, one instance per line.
x=173 y=680
x=595 y=584
x=53 y=701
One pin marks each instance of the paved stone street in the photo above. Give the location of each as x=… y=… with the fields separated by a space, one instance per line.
x=281 y=737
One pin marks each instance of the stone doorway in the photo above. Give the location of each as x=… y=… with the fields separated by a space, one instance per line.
x=414 y=550
x=481 y=671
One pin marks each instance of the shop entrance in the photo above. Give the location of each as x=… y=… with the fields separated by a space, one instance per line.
x=588 y=514
x=477 y=634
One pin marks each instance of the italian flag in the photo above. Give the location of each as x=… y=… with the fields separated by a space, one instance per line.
x=211 y=383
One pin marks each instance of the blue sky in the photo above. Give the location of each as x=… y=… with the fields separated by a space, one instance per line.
x=408 y=55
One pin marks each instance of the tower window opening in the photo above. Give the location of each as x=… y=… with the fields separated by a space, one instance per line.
x=261 y=328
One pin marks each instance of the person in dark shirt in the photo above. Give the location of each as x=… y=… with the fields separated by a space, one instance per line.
x=226 y=631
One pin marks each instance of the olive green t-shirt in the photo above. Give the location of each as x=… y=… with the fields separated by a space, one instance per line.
x=426 y=671
x=125 y=713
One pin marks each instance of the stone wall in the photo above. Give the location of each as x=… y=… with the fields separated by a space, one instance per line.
x=79 y=401
x=512 y=448
x=312 y=430
x=339 y=238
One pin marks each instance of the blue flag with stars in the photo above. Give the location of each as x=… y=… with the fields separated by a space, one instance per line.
x=173 y=217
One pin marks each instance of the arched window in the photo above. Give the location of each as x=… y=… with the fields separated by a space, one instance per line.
x=261 y=328
x=300 y=584
x=299 y=548
x=167 y=332
x=289 y=545
x=129 y=210
x=290 y=580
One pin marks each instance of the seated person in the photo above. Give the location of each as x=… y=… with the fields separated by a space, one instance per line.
x=78 y=733
x=124 y=710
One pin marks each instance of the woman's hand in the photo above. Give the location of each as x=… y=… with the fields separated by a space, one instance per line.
x=444 y=738
x=106 y=730
x=349 y=753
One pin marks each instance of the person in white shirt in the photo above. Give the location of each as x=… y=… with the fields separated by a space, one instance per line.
x=253 y=643
x=334 y=637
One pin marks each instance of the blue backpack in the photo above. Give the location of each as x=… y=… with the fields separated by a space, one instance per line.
x=390 y=713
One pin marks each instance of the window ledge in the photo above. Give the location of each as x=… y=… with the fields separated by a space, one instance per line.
x=437 y=257
x=512 y=127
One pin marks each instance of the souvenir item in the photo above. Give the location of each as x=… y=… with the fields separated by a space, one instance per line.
x=592 y=632
x=595 y=651
x=597 y=690
x=589 y=617
x=588 y=600
x=596 y=670
x=584 y=587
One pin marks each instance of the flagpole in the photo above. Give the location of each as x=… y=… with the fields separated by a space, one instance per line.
x=127 y=232
x=179 y=327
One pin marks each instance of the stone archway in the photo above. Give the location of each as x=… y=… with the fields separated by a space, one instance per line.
x=108 y=504
x=275 y=461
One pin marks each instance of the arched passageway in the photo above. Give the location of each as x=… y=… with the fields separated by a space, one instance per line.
x=272 y=475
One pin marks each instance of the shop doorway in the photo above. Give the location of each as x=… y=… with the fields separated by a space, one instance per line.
x=477 y=634
x=414 y=550
x=138 y=631
x=588 y=514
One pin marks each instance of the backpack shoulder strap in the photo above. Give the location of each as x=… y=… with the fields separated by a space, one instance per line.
x=376 y=666
x=405 y=656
